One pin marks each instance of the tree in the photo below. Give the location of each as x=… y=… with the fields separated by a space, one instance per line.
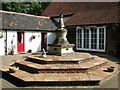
x=44 y=5
x=35 y=7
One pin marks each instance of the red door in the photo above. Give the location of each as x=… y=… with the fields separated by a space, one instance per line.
x=44 y=41
x=20 y=42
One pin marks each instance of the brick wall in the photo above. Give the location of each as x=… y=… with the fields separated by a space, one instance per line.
x=113 y=41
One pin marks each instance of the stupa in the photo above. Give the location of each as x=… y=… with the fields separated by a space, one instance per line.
x=60 y=46
x=54 y=70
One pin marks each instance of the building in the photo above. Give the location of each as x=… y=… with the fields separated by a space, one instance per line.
x=92 y=26
x=24 y=33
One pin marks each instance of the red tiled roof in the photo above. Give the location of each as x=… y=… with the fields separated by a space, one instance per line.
x=56 y=8
x=85 y=12
x=96 y=17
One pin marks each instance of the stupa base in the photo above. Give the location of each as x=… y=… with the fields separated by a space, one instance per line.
x=60 y=49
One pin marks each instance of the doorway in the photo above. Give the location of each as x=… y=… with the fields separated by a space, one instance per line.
x=44 y=41
x=20 y=42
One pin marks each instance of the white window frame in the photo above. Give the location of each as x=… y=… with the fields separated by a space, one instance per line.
x=89 y=49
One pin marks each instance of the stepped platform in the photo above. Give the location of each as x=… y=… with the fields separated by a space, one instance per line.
x=53 y=59
x=82 y=66
x=93 y=78
x=70 y=70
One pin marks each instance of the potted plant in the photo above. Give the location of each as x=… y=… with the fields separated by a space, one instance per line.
x=12 y=48
x=12 y=51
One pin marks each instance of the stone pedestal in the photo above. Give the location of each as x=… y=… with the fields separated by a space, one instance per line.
x=61 y=45
x=60 y=49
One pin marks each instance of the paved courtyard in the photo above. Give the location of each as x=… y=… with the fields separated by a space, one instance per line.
x=7 y=60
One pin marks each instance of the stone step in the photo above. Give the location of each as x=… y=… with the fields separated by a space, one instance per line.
x=95 y=77
x=58 y=60
x=53 y=79
x=60 y=68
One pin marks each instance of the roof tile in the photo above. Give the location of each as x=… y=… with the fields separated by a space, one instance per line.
x=12 y=20
x=85 y=13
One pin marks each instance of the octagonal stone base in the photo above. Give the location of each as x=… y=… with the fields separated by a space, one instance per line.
x=60 y=49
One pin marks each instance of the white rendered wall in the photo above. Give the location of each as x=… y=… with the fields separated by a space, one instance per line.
x=2 y=49
x=11 y=35
x=35 y=44
x=50 y=38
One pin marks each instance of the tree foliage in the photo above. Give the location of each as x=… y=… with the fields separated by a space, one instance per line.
x=35 y=7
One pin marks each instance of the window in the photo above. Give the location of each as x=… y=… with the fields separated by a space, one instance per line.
x=20 y=37
x=91 y=38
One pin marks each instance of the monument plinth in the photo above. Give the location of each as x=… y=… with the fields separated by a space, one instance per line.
x=61 y=45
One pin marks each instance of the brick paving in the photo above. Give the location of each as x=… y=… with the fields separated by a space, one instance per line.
x=70 y=57
x=92 y=75
x=10 y=59
x=70 y=68
x=62 y=66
